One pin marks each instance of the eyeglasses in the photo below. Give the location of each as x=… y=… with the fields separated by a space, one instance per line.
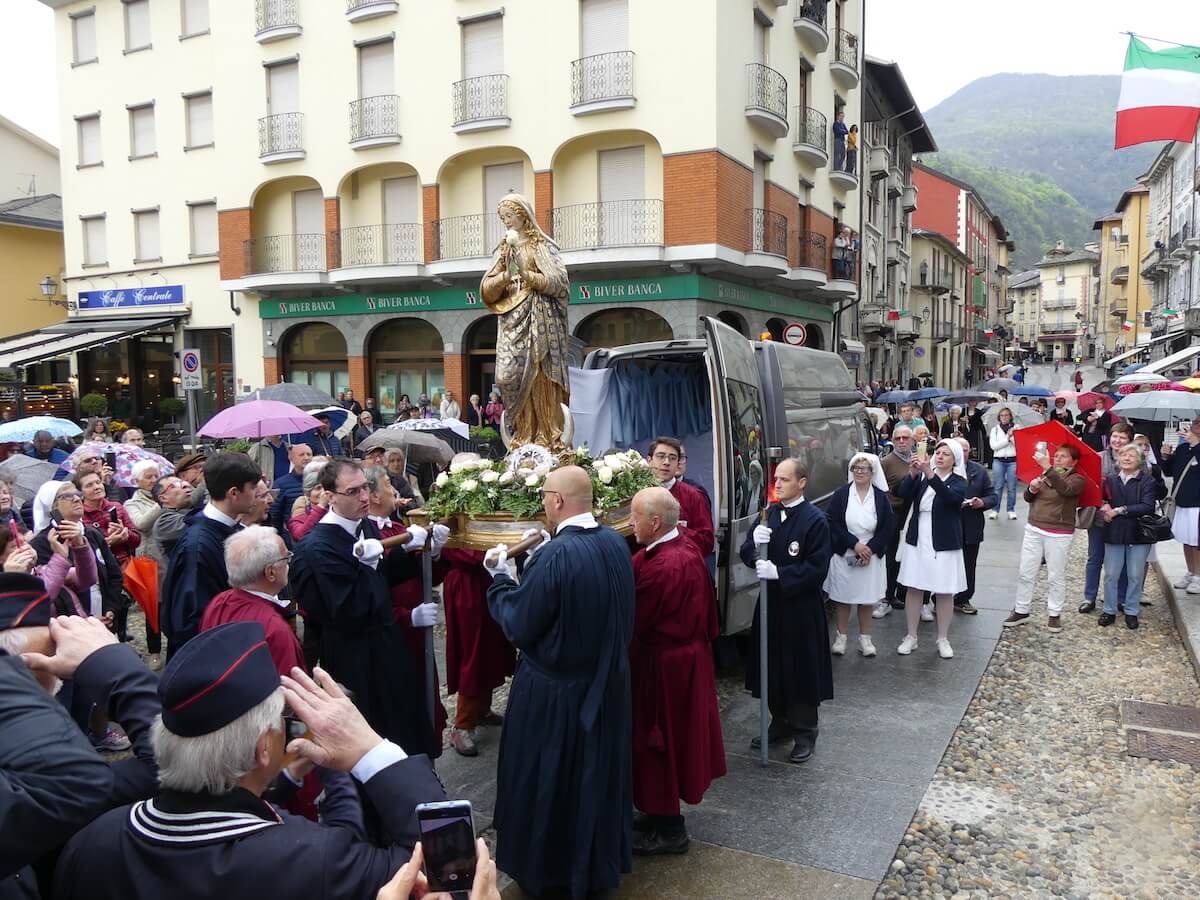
x=544 y=492
x=70 y=495
x=665 y=457
x=859 y=470
x=286 y=558
x=355 y=491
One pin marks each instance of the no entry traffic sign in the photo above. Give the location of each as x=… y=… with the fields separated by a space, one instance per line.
x=794 y=334
x=189 y=361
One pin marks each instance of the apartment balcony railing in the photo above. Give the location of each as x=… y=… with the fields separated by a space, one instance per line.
x=810 y=23
x=811 y=139
x=941 y=331
x=359 y=10
x=935 y=282
x=602 y=82
x=843 y=263
x=375 y=120
x=1120 y=275
x=609 y=223
x=812 y=251
x=460 y=237
x=766 y=98
x=276 y=19
x=1153 y=259
x=381 y=245
x=479 y=103
x=1118 y=307
x=286 y=253
x=281 y=137
x=844 y=65
x=768 y=232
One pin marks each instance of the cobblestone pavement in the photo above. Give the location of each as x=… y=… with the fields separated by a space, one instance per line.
x=1035 y=796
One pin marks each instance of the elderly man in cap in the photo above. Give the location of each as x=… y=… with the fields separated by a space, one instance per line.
x=220 y=743
x=191 y=469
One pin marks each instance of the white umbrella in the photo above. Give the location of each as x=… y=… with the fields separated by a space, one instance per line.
x=1142 y=378
x=1022 y=415
x=1159 y=406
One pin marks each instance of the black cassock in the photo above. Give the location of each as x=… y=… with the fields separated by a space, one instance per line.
x=564 y=795
x=195 y=575
x=798 y=664
x=360 y=643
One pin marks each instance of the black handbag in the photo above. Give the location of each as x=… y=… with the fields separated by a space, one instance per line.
x=1153 y=528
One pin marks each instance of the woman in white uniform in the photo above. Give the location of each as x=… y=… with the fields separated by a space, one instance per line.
x=931 y=557
x=861 y=523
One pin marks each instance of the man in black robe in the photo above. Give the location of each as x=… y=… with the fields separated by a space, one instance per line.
x=196 y=571
x=341 y=580
x=799 y=674
x=564 y=795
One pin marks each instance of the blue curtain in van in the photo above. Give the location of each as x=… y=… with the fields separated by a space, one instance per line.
x=662 y=399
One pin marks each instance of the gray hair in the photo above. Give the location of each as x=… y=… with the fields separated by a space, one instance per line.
x=393 y=453
x=376 y=477
x=312 y=473
x=125 y=437
x=141 y=467
x=899 y=428
x=248 y=552
x=955 y=408
x=214 y=762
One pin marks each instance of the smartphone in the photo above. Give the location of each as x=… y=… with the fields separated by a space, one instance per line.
x=448 y=842
x=110 y=460
x=113 y=516
x=55 y=516
x=15 y=534
x=922 y=451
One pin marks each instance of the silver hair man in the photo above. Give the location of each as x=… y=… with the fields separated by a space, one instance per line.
x=376 y=476
x=249 y=552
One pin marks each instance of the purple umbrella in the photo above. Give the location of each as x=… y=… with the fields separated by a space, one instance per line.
x=257 y=419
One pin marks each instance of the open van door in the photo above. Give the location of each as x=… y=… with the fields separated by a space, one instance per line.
x=740 y=467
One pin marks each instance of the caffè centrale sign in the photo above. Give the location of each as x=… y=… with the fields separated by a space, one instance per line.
x=629 y=290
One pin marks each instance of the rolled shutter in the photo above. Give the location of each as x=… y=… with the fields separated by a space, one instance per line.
x=604 y=26
x=483 y=47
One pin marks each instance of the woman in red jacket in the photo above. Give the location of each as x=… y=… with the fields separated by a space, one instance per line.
x=110 y=518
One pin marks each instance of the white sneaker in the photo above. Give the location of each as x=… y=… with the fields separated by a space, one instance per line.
x=1186 y=580
x=839 y=645
x=865 y=647
x=882 y=608
x=945 y=651
x=907 y=646
x=1012 y=516
x=992 y=514
x=927 y=612
x=1194 y=586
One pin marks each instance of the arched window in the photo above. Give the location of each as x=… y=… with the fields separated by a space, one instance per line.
x=315 y=354
x=813 y=337
x=480 y=347
x=734 y=321
x=617 y=327
x=406 y=360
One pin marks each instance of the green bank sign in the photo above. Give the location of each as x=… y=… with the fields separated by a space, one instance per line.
x=625 y=290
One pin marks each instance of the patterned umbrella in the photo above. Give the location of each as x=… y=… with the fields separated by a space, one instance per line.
x=126 y=454
x=25 y=429
x=299 y=395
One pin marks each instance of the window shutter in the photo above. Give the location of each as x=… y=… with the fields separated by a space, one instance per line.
x=375 y=76
x=146 y=234
x=284 y=82
x=200 y=120
x=604 y=26
x=94 y=250
x=401 y=201
x=508 y=178
x=195 y=16
x=85 y=37
x=483 y=47
x=141 y=130
x=137 y=24
x=89 y=141
x=623 y=174
x=204 y=229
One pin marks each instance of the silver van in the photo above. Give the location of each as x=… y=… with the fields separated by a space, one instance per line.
x=739 y=406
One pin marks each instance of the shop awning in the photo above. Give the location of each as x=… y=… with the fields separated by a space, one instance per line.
x=849 y=345
x=1170 y=362
x=986 y=353
x=1138 y=349
x=75 y=335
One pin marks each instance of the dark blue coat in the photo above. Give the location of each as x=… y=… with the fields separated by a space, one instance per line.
x=564 y=780
x=842 y=539
x=946 y=514
x=195 y=574
x=979 y=484
x=290 y=486
x=1187 y=459
x=1138 y=495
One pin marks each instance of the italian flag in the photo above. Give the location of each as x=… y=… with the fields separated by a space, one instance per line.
x=1160 y=95
x=1127 y=325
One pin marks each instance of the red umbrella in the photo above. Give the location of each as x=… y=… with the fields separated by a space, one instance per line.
x=1087 y=401
x=1055 y=434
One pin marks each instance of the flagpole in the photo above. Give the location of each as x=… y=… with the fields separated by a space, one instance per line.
x=1156 y=40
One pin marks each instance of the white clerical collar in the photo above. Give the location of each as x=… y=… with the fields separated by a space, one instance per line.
x=794 y=503
x=349 y=525
x=669 y=483
x=669 y=536
x=211 y=512
x=381 y=522
x=270 y=598
x=583 y=520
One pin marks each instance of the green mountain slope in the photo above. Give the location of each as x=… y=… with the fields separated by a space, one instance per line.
x=1024 y=134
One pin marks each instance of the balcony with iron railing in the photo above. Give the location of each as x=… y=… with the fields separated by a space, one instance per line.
x=460 y=237
x=275 y=20
x=812 y=251
x=285 y=253
x=479 y=104
x=844 y=171
x=843 y=270
x=768 y=232
x=941 y=331
x=374 y=121
x=766 y=98
x=281 y=137
x=602 y=82
x=607 y=224
x=1120 y=275
x=810 y=23
x=361 y=10
x=810 y=141
x=1153 y=259
x=381 y=245
x=934 y=282
x=844 y=65
x=1118 y=307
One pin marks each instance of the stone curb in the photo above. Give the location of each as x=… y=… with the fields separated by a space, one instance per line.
x=1184 y=607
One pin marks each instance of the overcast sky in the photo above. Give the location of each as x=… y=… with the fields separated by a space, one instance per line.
x=941 y=45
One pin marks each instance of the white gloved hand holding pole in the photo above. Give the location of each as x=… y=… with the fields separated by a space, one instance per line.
x=766 y=570
x=368 y=551
x=495 y=561
x=425 y=615
x=417 y=540
x=536 y=547
x=441 y=536
x=762 y=534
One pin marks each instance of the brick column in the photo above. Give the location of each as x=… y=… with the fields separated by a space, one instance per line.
x=272 y=370
x=706 y=200
x=234 y=229
x=454 y=366
x=359 y=381
x=333 y=232
x=431 y=211
x=543 y=200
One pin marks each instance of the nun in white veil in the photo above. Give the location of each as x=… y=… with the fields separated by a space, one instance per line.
x=861 y=523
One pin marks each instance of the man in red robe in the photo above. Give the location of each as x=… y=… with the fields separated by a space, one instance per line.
x=677 y=744
x=695 y=514
x=257 y=561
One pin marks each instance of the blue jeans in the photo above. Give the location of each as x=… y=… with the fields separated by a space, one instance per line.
x=1095 y=559
x=1004 y=473
x=1130 y=558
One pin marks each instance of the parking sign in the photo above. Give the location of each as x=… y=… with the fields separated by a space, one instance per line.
x=190 y=363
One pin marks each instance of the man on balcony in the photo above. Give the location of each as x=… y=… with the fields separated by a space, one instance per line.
x=840 y=130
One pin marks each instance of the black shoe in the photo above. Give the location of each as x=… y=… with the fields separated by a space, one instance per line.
x=1131 y=622
x=776 y=734
x=642 y=822
x=1087 y=606
x=802 y=751
x=658 y=843
x=966 y=608
x=1105 y=620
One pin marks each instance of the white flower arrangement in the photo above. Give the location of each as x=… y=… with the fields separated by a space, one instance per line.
x=616 y=462
x=532 y=479
x=605 y=474
x=507 y=477
x=490 y=476
x=469 y=485
x=442 y=479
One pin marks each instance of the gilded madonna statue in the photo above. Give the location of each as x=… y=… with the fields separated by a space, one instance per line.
x=527 y=288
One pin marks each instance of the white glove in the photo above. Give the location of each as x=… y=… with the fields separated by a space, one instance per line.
x=441 y=535
x=536 y=547
x=495 y=561
x=766 y=569
x=425 y=615
x=368 y=551
x=762 y=534
x=417 y=541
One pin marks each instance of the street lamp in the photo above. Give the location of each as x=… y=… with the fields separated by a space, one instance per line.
x=49 y=288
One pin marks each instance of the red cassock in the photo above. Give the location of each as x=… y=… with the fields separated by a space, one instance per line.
x=236 y=605
x=478 y=656
x=407 y=596
x=695 y=517
x=677 y=745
